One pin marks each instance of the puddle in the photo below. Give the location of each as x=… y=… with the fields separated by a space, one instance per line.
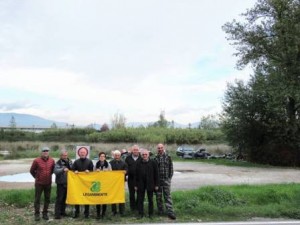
x=20 y=177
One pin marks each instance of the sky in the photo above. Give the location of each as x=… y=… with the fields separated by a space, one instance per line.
x=83 y=61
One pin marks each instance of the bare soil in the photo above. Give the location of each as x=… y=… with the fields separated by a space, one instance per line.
x=188 y=175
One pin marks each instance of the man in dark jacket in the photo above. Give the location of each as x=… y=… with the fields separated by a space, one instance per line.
x=42 y=169
x=62 y=166
x=146 y=179
x=83 y=164
x=118 y=164
x=131 y=161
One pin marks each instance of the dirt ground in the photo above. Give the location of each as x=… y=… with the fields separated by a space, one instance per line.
x=188 y=175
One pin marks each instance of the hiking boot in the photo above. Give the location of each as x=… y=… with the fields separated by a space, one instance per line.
x=45 y=217
x=37 y=217
x=57 y=217
x=64 y=214
x=172 y=216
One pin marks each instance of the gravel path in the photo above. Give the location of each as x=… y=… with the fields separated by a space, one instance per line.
x=188 y=175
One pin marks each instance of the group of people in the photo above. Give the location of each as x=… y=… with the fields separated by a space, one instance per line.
x=143 y=175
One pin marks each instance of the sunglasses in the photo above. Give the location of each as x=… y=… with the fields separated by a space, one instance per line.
x=45 y=150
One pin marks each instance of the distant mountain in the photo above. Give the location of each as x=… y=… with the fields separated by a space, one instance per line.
x=26 y=120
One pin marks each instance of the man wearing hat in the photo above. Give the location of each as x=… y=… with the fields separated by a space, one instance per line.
x=42 y=169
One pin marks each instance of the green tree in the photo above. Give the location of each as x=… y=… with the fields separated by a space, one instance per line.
x=209 y=122
x=162 y=122
x=104 y=128
x=268 y=106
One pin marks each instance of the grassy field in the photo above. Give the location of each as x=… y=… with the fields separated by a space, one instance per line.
x=213 y=203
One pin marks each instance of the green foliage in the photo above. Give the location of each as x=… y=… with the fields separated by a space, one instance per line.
x=212 y=203
x=151 y=135
x=128 y=135
x=261 y=118
x=21 y=198
x=162 y=122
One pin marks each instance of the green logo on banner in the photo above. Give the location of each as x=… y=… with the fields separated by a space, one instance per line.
x=96 y=186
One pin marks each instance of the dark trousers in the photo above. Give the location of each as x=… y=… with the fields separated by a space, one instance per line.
x=39 y=189
x=86 y=210
x=60 y=203
x=164 y=191
x=132 y=193
x=98 y=209
x=121 y=208
x=141 y=197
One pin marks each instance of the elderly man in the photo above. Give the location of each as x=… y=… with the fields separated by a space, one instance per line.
x=131 y=161
x=165 y=169
x=62 y=166
x=146 y=179
x=118 y=164
x=83 y=164
x=42 y=169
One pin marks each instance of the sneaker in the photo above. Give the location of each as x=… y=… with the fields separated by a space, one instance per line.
x=45 y=217
x=57 y=217
x=172 y=216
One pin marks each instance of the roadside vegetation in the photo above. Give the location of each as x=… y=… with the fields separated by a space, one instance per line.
x=211 y=203
x=31 y=149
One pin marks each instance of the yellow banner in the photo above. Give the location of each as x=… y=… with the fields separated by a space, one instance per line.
x=93 y=188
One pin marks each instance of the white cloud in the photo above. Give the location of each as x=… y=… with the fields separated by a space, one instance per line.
x=82 y=61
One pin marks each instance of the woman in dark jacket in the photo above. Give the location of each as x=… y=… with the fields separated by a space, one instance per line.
x=102 y=165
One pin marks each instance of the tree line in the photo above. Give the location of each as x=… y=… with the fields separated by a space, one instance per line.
x=129 y=135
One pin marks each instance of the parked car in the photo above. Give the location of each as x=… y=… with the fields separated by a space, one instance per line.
x=189 y=152
x=201 y=153
x=184 y=150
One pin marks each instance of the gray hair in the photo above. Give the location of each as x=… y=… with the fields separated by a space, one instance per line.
x=63 y=151
x=117 y=152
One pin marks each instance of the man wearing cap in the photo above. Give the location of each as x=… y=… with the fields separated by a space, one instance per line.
x=42 y=169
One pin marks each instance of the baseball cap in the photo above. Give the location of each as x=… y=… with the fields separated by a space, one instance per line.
x=45 y=149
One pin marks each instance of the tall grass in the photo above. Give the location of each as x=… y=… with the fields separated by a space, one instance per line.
x=212 y=203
